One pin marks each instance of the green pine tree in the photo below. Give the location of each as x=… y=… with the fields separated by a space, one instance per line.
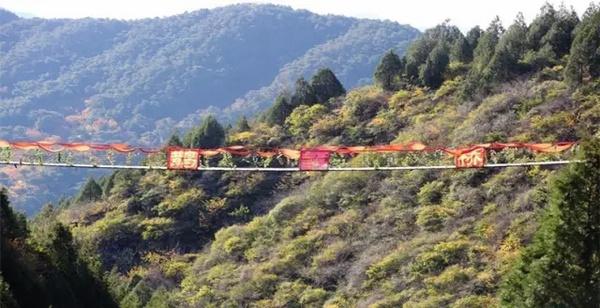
x=540 y=26
x=486 y=46
x=109 y=183
x=90 y=192
x=42 y=268
x=432 y=73
x=584 y=60
x=326 y=85
x=242 y=125
x=560 y=35
x=304 y=94
x=461 y=51
x=561 y=268
x=476 y=80
x=472 y=38
x=12 y=225
x=390 y=67
x=210 y=134
x=280 y=110
x=509 y=51
x=174 y=140
x=61 y=250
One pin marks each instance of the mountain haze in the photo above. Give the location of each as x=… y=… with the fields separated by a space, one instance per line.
x=108 y=79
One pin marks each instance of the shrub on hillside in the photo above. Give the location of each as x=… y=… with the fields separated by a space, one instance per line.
x=431 y=193
x=441 y=255
x=432 y=218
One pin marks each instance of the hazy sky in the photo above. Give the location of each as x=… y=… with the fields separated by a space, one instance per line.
x=419 y=13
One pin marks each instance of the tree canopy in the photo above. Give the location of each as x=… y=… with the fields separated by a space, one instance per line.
x=389 y=69
x=280 y=110
x=323 y=86
x=44 y=269
x=432 y=72
x=242 y=124
x=584 y=60
x=210 y=134
x=304 y=93
x=90 y=192
x=562 y=266
x=326 y=85
x=174 y=140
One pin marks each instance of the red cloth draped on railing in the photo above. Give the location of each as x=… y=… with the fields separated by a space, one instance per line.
x=293 y=154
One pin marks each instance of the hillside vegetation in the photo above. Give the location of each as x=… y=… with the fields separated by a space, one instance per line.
x=40 y=265
x=425 y=238
x=138 y=81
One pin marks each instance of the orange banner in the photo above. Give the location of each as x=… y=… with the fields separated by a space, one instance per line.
x=182 y=159
x=474 y=158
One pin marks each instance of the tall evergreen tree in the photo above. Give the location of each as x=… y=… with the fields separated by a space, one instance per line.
x=109 y=183
x=326 y=85
x=486 y=46
x=304 y=94
x=560 y=35
x=390 y=67
x=280 y=110
x=561 y=268
x=509 y=51
x=473 y=36
x=461 y=51
x=444 y=32
x=482 y=55
x=174 y=140
x=90 y=192
x=12 y=225
x=540 y=26
x=416 y=55
x=584 y=59
x=242 y=124
x=432 y=73
x=43 y=269
x=210 y=134
x=61 y=250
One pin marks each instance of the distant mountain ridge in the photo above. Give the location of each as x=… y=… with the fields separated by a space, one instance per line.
x=7 y=16
x=137 y=81
x=119 y=80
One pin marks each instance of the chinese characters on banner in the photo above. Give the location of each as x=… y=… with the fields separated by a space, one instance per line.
x=475 y=158
x=314 y=160
x=182 y=159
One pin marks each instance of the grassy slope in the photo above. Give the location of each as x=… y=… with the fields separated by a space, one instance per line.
x=420 y=238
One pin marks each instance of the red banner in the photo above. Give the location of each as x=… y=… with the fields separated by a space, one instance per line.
x=237 y=150
x=314 y=160
x=475 y=158
x=182 y=159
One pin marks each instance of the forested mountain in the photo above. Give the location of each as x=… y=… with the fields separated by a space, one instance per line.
x=138 y=81
x=6 y=16
x=107 y=79
x=525 y=236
